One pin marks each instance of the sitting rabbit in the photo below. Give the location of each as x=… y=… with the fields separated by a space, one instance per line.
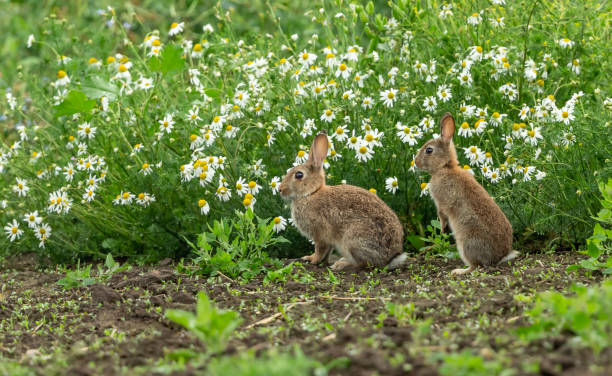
x=482 y=231
x=354 y=221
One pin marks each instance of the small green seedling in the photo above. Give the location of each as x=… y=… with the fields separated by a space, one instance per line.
x=211 y=325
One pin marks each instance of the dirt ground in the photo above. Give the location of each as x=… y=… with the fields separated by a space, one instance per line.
x=118 y=327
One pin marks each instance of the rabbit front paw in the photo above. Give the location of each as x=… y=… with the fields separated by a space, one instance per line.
x=462 y=271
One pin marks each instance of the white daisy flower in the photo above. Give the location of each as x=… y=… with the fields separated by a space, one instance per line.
x=204 y=207
x=176 y=28
x=280 y=224
x=32 y=219
x=274 y=184
x=13 y=231
x=388 y=97
x=391 y=184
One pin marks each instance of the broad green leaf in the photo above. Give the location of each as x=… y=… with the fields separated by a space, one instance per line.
x=75 y=102
x=98 y=87
x=171 y=59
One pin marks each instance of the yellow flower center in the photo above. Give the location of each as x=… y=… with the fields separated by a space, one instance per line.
x=565 y=114
x=174 y=24
x=342 y=67
x=193 y=137
x=61 y=74
x=126 y=195
x=477 y=123
x=473 y=149
x=145 y=166
x=305 y=56
x=252 y=184
x=156 y=43
x=363 y=150
x=197 y=47
x=353 y=140
x=110 y=60
x=301 y=153
x=14 y=230
x=390 y=95
x=465 y=125
x=474 y=15
x=488 y=155
x=141 y=196
x=202 y=203
x=369 y=138
x=423 y=186
x=92 y=60
x=216 y=119
x=531 y=133
x=203 y=176
x=479 y=49
x=394 y=183
x=466 y=167
x=328 y=112
x=277 y=220
x=283 y=61
x=246 y=202
x=372 y=190
x=122 y=68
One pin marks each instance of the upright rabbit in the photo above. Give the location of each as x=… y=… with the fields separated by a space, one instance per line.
x=354 y=221
x=482 y=231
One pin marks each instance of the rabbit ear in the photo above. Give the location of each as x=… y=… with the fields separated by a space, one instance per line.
x=318 y=150
x=447 y=126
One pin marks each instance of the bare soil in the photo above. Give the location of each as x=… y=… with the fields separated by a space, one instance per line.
x=118 y=326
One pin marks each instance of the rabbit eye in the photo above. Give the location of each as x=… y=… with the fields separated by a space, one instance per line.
x=429 y=150
x=299 y=175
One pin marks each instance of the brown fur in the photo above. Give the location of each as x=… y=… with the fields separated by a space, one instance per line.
x=482 y=231
x=350 y=219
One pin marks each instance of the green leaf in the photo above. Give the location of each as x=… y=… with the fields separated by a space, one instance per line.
x=593 y=250
x=213 y=93
x=75 y=102
x=171 y=60
x=110 y=262
x=98 y=87
x=369 y=7
x=110 y=243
